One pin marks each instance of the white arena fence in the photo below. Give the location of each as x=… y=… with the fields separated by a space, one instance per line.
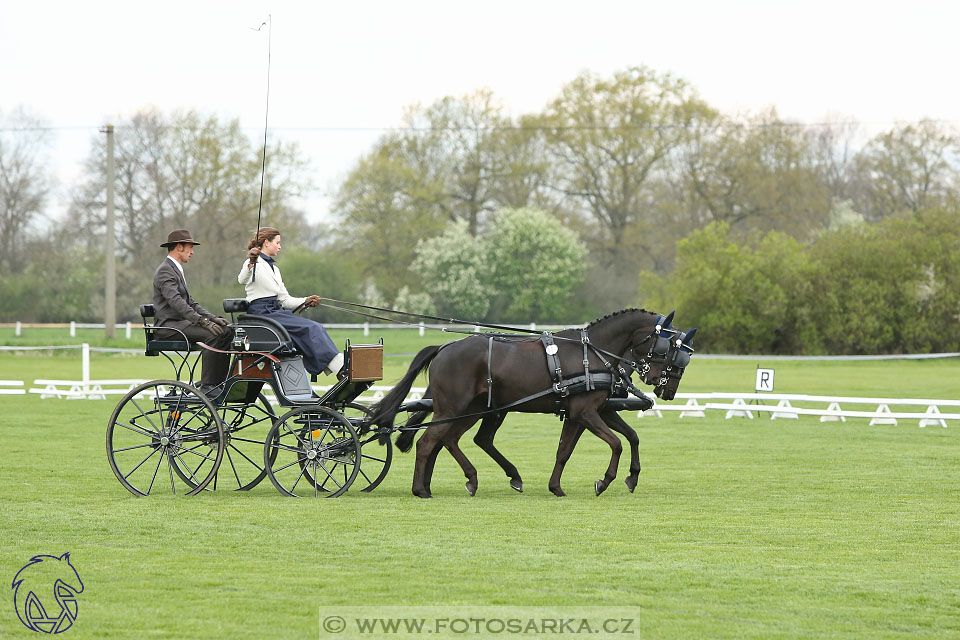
x=749 y=406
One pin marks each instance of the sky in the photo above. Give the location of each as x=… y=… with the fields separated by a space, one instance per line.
x=342 y=72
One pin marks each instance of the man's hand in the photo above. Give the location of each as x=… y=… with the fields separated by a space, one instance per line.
x=220 y=321
x=313 y=301
x=253 y=253
x=211 y=326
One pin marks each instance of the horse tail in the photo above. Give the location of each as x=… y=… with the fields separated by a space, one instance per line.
x=385 y=411
x=405 y=439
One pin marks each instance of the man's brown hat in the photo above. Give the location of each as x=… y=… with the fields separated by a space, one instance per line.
x=177 y=237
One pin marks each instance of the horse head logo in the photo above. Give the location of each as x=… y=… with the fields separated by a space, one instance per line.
x=45 y=593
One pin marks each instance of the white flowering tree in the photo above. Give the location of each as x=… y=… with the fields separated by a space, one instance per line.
x=538 y=262
x=456 y=272
x=522 y=268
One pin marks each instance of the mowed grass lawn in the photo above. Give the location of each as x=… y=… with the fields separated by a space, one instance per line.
x=738 y=528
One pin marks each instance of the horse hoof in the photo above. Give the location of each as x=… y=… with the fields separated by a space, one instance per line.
x=517 y=485
x=423 y=494
x=599 y=487
x=558 y=492
x=631 y=483
x=471 y=488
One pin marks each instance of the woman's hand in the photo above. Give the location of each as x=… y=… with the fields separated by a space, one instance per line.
x=313 y=301
x=253 y=253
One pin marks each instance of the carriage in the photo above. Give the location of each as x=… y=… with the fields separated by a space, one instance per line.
x=308 y=445
x=319 y=446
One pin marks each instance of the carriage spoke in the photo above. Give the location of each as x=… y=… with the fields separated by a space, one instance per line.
x=286 y=466
x=329 y=475
x=136 y=429
x=137 y=446
x=173 y=486
x=155 y=472
x=365 y=476
x=192 y=473
x=234 y=468
x=202 y=455
x=302 y=471
x=146 y=414
x=234 y=438
x=246 y=457
x=140 y=463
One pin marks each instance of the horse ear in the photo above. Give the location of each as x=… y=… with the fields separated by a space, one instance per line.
x=688 y=340
x=669 y=319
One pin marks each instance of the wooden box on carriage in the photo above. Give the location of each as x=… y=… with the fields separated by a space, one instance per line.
x=365 y=362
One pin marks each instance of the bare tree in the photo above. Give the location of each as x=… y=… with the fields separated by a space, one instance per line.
x=909 y=168
x=25 y=182
x=185 y=170
x=610 y=139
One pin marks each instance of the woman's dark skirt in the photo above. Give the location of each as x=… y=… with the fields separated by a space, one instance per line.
x=309 y=336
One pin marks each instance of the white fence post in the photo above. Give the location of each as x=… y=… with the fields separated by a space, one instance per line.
x=85 y=366
x=128 y=330
x=421 y=328
x=366 y=328
x=18 y=329
x=533 y=326
x=73 y=329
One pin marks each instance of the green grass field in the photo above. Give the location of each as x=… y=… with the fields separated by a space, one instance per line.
x=738 y=528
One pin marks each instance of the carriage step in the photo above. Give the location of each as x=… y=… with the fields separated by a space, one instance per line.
x=423 y=404
x=628 y=404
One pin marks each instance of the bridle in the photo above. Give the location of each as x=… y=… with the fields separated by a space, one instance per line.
x=669 y=348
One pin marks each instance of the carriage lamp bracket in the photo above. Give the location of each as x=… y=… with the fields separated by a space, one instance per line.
x=241 y=341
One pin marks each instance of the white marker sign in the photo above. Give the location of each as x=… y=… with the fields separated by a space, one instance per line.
x=764 y=380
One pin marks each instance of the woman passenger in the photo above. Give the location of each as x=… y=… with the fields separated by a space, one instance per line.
x=268 y=296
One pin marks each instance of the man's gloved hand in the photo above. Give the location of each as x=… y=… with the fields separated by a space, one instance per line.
x=313 y=301
x=220 y=321
x=253 y=253
x=211 y=326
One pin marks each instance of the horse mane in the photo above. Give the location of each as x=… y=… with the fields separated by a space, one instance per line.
x=617 y=313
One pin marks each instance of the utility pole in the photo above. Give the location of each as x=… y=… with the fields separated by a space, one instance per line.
x=110 y=299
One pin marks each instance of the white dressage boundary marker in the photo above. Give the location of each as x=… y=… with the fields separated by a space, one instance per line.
x=834 y=413
x=692 y=410
x=933 y=411
x=784 y=404
x=883 y=409
x=738 y=412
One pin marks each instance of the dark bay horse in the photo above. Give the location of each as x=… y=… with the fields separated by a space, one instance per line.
x=517 y=369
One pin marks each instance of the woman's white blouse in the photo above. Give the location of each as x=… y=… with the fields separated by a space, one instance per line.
x=269 y=282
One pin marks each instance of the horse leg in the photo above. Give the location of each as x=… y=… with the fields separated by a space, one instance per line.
x=592 y=421
x=484 y=440
x=431 y=461
x=615 y=422
x=428 y=446
x=452 y=443
x=568 y=440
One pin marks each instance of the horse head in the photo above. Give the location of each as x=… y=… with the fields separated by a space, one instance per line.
x=662 y=356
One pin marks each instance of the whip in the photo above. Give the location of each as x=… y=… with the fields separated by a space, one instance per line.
x=263 y=163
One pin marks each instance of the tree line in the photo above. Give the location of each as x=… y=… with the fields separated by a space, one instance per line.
x=604 y=199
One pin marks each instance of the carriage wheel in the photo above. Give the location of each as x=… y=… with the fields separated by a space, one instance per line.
x=312 y=451
x=375 y=457
x=165 y=423
x=245 y=428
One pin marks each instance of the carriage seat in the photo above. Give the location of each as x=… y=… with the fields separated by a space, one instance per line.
x=155 y=346
x=264 y=333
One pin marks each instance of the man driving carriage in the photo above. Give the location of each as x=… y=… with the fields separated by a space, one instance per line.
x=176 y=309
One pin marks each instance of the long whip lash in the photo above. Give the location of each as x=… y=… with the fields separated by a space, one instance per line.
x=263 y=164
